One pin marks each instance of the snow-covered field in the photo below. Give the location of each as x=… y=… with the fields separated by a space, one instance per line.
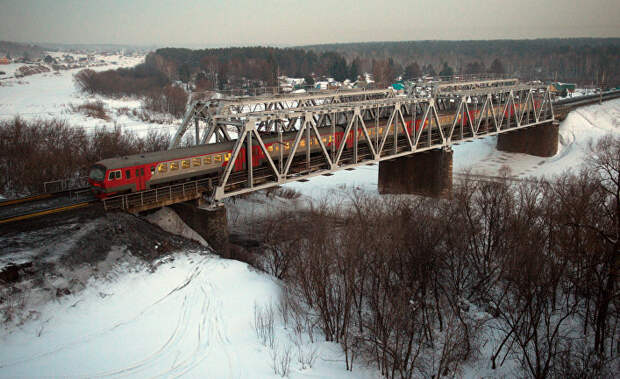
x=193 y=316
x=51 y=94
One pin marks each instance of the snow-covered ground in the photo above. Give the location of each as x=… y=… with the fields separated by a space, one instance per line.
x=51 y=94
x=192 y=317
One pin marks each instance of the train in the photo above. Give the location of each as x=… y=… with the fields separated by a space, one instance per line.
x=134 y=173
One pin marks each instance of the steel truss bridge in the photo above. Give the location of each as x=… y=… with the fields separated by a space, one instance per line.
x=375 y=129
x=209 y=115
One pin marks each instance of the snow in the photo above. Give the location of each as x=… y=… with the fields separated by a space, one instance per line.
x=579 y=92
x=169 y=221
x=9 y=69
x=191 y=317
x=582 y=125
x=51 y=94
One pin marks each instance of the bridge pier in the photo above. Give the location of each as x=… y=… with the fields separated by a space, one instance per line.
x=211 y=224
x=540 y=140
x=427 y=174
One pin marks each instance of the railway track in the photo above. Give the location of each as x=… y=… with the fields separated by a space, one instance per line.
x=26 y=199
x=563 y=107
x=45 y=204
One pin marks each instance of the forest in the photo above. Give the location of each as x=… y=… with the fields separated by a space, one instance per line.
x=587 y=62
x=584 y=61
x=221 y=68
x=19 y=50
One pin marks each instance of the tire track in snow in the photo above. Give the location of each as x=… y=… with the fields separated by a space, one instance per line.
x=194 y=297
x=202 y=327
x=214 y=327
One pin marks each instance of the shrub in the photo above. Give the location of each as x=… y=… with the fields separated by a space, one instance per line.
x=171 y=99
x=33 y=152
x=95 y=109
x=136 y=81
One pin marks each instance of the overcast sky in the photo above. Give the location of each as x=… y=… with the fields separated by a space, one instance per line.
x=296 y=22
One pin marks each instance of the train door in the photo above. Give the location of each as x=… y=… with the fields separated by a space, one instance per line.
x=140 y=179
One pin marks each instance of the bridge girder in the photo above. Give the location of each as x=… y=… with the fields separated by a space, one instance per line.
x=200 y=112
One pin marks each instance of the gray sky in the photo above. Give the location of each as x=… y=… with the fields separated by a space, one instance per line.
x=295 y=22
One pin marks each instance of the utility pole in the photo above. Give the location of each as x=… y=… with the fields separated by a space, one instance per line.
x=600 y=87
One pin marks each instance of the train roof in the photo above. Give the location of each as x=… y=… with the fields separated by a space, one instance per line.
x=166 y=155
x=179 y=153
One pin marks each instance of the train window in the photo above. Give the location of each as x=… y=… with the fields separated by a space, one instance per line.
x=174 y=165
x=142 y=171
x=185 y=163
x=270 y=148
x=127 y=174
x=196 y=161
x=287 y=146
x=117 y=174
x=152 y=170
x=111 y=176
x=227 y=157
x=163 y=167
x=207 y=159
x=137 y=172
x=302 y=143
x=217 y=158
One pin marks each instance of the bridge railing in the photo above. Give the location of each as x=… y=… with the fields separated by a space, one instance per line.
x=65 y=184
x=158 y=196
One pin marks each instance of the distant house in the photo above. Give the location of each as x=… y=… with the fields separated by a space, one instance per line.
x=321 y=85
x=562 y=88
x=4 y=60
x=398 y=86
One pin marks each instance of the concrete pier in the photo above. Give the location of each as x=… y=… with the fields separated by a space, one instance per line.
x=427 y=174
x=211 y=224
x=541 y=140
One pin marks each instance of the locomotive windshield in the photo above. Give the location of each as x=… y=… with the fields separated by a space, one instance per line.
x=97 y=173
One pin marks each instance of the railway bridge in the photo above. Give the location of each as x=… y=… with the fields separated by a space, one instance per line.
x=298 y=136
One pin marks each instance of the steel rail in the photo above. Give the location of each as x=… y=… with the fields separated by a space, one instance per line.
x=26 y=199
x=48 y=211
x=43 y=196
